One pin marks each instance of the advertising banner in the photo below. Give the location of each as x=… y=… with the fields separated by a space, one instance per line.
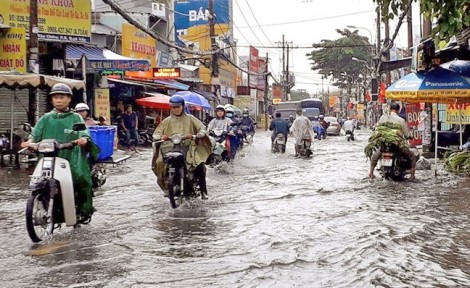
x=253 y=66
x=277 y=93
x=412 y=117
x=454 y=110
x=360 y=111
x=138 y=44
x=57 y=19
x=261 y=69
x=102 y=106
x=13 y=50
x=190 y=13
x=332 y=101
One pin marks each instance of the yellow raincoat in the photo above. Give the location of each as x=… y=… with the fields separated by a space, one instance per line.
x=199 y=149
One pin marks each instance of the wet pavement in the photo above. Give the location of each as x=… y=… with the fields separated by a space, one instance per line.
x=271 y=221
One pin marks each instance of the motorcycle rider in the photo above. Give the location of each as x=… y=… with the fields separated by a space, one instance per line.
x=183 y=124
x=278 y=125
x=395 y=119
x=291 y=120
x=223 y=121
x=302 y=127
x=349 y=127
x=58 y=125
x=84 y=111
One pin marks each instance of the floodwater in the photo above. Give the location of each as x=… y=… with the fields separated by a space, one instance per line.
x=271 y=221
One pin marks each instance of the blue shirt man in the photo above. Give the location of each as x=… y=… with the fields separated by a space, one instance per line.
x=279 y=125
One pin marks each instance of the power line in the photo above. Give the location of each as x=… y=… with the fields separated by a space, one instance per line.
x=256 y=20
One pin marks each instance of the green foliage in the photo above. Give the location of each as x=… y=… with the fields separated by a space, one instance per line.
x=457 y=162
x=451 y=15
x=335 y=58
x=297 y=95
x=385 y=133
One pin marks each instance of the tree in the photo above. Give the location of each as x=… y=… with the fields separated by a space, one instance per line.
x=297 y=95
x=334 y=59
x=452 y=15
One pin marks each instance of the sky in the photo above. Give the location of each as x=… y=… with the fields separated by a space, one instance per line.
x=302 y=22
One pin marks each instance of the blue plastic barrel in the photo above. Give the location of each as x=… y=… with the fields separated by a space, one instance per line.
x=103 y=136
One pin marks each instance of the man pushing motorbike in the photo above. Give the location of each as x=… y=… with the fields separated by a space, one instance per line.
x=183 y=124
x=394 y=119
x=58 y=125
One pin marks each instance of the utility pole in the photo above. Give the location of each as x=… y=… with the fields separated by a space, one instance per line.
x=215 y=57
x=409 y=20
x=266 y=94
x=33 y=57
x=287 y=73
x=388 y=78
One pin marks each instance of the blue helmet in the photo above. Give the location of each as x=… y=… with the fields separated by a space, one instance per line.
x=61 y=88
x=176 y=100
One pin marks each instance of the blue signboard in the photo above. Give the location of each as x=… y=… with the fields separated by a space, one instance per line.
x=190 y=13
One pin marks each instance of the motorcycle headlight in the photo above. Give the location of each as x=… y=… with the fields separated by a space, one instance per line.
x=46 y=147
x=176 y=139
x=218 y=132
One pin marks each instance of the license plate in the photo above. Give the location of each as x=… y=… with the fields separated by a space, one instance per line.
x=387 y=162
x=280 y=141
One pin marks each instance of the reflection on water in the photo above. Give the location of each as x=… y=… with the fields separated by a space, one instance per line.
x=271 y=221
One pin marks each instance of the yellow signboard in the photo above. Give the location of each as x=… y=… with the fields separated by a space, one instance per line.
x=332 y=101
x=454 y=110
x=138 y=44
x=102 y=106
x=57 y=19
x=13 y=49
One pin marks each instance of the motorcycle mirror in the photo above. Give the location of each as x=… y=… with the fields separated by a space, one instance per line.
x=79 y=127
x=233 y=124
x=27 y=128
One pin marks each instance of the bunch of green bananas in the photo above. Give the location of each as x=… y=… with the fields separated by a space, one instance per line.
x=385 y=133
x=458 y=161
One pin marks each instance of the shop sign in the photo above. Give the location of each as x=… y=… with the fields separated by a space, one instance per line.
x=412 y=117
x=332 y=101
x=166 y=72
x=112 y=72
x=102 y=106
x=13 y=49
x=57 y=19
x=138 y=44
x=454 y=110
x=124 y=65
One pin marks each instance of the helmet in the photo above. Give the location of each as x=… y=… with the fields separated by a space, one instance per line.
x=229 y=112
x=60 y=88
x=176 y=100
x=82 y=107
x=395 y=106
x=291 y=116
x=245 y=112
x=220 y=108
x=321 y=116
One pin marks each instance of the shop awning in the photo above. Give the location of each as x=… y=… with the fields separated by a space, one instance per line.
x=19 y=81
x=172 y=84
x=104 y=59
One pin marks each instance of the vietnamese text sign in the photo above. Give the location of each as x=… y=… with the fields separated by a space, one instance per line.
x=454 y=110
x=13 y=50
x=57 y=19
x=412 y=117
x=138 y=44
x=166 y=73
x=102 y=103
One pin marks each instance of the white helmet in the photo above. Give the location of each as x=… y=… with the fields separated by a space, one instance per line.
x=81 y=107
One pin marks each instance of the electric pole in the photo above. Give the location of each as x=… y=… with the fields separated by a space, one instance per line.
x=266 y=94
x=215 y=57
x=288 y=83
x=33 y=57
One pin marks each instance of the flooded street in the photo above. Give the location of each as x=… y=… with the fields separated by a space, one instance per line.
x=271 y=221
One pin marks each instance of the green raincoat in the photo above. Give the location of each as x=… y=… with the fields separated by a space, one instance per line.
x=199 y=149
x=58 y=125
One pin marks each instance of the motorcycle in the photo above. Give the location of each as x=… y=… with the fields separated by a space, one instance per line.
x=146 y=136
x=247 y=133
x=220 y=152
x=52 y=200
x=98 y=174
x=349 y=135
x=279 y=144
x=395 y=164
x=182 y=183
x=305 y=144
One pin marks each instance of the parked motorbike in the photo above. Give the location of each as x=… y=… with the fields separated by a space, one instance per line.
x=395 y=164
x=305 y=147
x=220 y=152
x=146 y=136
x=52 y=200
x=279 y=144
x=349 y=136
x=182 y=183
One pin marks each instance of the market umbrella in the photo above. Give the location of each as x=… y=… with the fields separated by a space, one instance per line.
x=159 y=102
x=438 y=85
x=194 y=99
x=460 y=66
x=236 y=110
